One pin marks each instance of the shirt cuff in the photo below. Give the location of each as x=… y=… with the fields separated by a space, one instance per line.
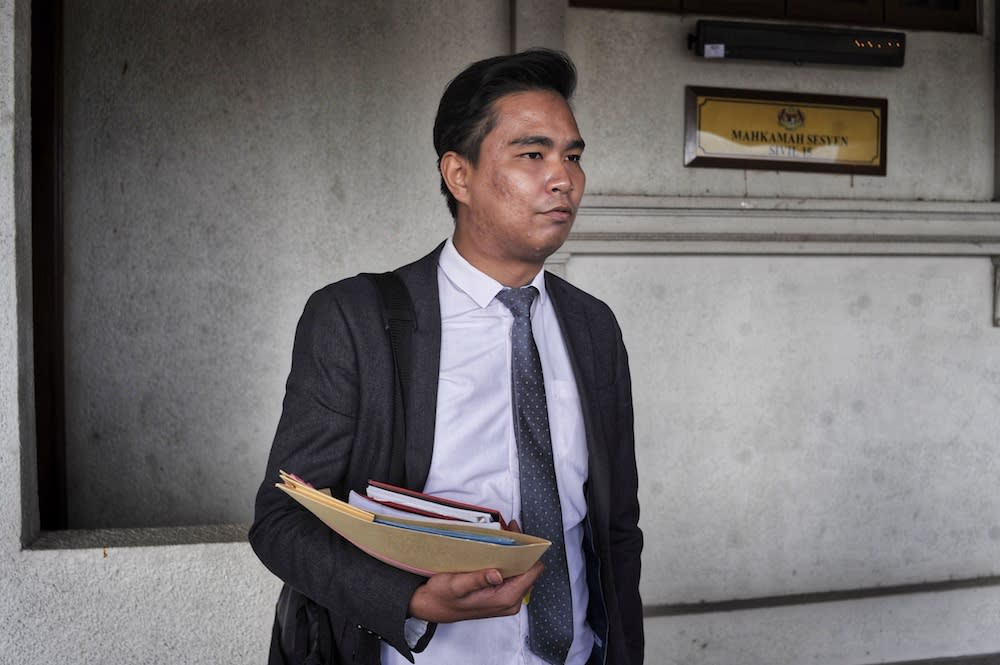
x=414 y=630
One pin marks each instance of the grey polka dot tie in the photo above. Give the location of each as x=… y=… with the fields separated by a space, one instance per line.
x=550 y=610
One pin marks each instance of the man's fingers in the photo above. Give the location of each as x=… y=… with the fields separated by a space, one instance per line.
x=463 y=584
x=532 y=574
x=453 y=597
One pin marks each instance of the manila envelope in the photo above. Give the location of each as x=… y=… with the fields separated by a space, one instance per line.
x=418 y=552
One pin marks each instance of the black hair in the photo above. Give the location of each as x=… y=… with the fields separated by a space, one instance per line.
x=466 y=112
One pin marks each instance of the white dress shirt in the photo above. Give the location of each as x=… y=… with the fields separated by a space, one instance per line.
x=475 y=454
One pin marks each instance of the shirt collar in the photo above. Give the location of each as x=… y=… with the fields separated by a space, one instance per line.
x=476 y=284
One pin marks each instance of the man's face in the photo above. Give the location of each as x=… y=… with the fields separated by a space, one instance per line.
x=521 y=199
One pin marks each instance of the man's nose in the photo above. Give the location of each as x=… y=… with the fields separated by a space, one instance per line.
x=560 y=178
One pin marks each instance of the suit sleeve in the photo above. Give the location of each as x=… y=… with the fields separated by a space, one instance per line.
x=316 y=439
x=626 y=537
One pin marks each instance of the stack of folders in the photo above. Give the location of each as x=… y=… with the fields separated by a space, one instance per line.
x=421 y=533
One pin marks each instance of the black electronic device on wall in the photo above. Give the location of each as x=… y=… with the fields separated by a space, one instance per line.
x=798 y=43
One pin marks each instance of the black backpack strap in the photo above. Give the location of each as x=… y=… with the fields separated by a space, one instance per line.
x=400 y=322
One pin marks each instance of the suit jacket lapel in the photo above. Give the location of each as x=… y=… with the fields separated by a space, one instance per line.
x=580 y=346
x=420 y=278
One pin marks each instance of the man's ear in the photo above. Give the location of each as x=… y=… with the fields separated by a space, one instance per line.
x=455 y=172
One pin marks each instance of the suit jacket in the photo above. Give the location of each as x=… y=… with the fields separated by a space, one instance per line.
x=336 y=431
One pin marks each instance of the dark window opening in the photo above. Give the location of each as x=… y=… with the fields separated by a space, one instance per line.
x=47 y=259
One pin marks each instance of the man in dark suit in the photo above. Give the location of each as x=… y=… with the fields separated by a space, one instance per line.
x=509 y=156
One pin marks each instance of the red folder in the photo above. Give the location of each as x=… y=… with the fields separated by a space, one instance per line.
x=429 y=505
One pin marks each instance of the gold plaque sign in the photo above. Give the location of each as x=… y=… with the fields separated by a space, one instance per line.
x=752 y=129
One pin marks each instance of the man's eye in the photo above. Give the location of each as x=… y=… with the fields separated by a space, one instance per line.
x=532 y=155
x=574 y=158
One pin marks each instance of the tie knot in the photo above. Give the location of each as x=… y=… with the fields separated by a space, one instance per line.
x=518 y=301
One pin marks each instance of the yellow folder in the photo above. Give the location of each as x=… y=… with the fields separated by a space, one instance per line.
x=419 y=552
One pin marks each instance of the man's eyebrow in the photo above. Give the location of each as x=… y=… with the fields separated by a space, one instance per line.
x=545 y=141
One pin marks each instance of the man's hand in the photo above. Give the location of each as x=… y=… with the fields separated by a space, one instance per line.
x=448 y=597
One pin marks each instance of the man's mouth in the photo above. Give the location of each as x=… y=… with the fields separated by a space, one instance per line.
x=560 y=213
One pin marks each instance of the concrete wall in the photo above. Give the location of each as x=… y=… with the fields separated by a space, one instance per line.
x=634 y=66
x=818 y=409
x=816 y=373
x=223 y=160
